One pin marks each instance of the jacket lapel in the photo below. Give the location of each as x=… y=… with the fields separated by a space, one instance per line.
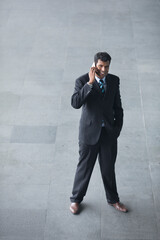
x=107 y=86
x=96 y=87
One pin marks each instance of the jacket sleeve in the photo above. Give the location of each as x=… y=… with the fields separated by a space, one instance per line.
x=81 y=92
x=118 y=110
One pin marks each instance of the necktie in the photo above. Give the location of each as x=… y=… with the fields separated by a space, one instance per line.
x=101 y=85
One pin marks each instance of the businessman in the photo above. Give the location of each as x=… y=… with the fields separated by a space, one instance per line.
x=97 y=92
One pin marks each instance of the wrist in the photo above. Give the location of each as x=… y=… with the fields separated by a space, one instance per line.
x=90 y=84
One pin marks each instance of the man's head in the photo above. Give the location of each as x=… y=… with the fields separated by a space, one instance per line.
x=102 y=61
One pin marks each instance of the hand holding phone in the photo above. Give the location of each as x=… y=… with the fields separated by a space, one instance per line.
x=97 y=70
x=94 y=70
x=92 y=74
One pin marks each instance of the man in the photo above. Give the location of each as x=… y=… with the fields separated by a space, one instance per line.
x=97 y=92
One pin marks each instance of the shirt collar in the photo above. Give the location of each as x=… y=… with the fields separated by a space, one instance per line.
x=98 y=79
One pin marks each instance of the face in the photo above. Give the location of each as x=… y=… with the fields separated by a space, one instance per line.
x=103 y=68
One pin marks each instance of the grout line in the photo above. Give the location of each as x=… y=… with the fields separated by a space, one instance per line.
x=46 y=211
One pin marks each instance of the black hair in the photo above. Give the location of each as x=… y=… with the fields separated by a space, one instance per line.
x=103 y=56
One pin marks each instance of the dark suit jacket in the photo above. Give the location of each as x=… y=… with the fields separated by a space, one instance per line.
x=96 y=107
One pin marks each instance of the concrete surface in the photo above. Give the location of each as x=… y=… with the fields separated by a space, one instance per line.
x=44 y=46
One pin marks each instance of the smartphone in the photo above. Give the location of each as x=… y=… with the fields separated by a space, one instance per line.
x=97 y=70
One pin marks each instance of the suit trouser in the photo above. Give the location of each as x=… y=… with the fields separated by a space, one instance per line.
x=106 y=149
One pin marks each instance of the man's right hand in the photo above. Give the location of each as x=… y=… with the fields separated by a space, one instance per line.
x=92 y=75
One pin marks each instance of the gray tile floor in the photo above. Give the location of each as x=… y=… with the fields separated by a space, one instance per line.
x=44 y=46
